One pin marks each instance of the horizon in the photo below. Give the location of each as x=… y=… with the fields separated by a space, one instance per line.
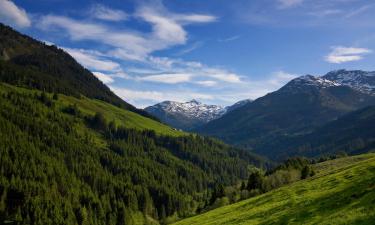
x=153 y=51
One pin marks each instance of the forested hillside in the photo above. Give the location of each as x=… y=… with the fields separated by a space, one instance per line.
x=30 y=63
x=352 y=133
x=62 y=164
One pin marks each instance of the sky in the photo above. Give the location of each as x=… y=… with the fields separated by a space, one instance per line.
x=215 y=51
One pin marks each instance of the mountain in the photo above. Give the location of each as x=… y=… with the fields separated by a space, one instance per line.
x=27 y=62
x=299 y=107
x=353 y=133
x=72 y=152
x=237 y=105
x=190 y=115
x=187 y=115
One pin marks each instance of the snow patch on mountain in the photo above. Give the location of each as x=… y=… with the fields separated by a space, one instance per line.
x=357 y=79
x=191 y=109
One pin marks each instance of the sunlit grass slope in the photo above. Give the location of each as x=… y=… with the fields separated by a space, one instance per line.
x=120 y=116
x=342 y=192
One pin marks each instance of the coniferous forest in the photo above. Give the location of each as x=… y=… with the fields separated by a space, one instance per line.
x=60 y=166
x=75 y=151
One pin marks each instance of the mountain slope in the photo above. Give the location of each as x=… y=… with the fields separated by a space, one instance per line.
x=187 y=115
x=352 y=133
x=299 y=107
x=30 y=63
x=337 y=195
x=237 y=105
x=63 y=161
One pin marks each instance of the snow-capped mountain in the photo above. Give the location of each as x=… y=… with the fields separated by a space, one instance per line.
x=302 y=105
x=303 y=82
x=186 y=115
x=357 y=79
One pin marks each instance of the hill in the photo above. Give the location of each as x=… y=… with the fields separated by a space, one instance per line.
x=67 y=160
x=298 y=108
x=342 y=192
x=27 y=62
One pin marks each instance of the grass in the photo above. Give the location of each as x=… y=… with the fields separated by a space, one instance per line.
x=120 y=116
x=342 y=192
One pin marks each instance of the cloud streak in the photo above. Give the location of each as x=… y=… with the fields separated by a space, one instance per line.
x=102 y=12
x=340 y=54
x=13 y=15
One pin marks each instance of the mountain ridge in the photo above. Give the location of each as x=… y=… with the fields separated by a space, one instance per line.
x=50 y=68
x=298 y=107
x=190 y=115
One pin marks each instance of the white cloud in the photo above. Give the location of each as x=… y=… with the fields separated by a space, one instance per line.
x=207 y=83
x=184 y=71
x=289 y=3
x=340 y=54
x=194 y=18
x=145 y=98
x=13 y=15
x=280 y=78
x=105 y=78
x=104 y=13
x=92 y=60
x=130 y=43
x=167 y=31
x=168 y=78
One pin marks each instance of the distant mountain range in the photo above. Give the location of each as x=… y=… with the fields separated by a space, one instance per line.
x=190 y=115
x=298 y=108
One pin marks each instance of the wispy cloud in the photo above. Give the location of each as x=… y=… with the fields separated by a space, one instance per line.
x=228 y=39
x=105 y=13
x=340 y=54
x=11 y=14
x=284 y=4
x=173 y=78
x=167 y=30
x=105 y=78
x=146 y=98
x=359 y=10
x=190 y=48
x=207 y=83
x=180 y=71
x=93 y=60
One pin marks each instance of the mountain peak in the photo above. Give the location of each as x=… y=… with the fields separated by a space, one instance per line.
x=185 y=115
x=362 y=81
x=194 y=101
x=300 y=83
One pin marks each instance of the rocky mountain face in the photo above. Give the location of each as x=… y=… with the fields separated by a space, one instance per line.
x=357 y=79
x=186 y=115
x=190 y=115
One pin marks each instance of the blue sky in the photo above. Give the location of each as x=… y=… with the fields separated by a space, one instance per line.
x=216 y=51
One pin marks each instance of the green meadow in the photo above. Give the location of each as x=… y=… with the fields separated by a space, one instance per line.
x=342 y=192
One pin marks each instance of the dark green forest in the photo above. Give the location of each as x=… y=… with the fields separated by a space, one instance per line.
x=53 y=171
x=27 y=62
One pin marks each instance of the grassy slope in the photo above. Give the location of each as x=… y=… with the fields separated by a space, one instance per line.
x=342 y=192
x=112 y=113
